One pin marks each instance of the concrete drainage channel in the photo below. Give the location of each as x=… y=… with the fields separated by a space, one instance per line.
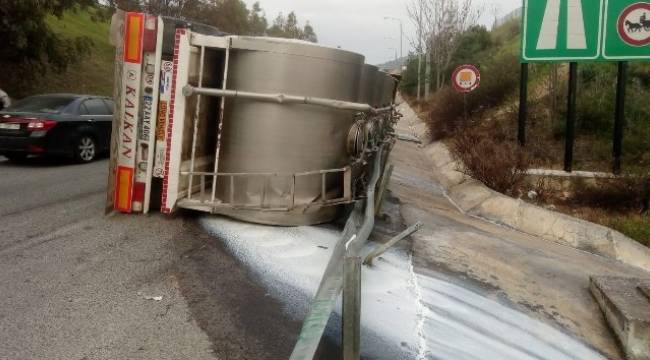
x=625 y=302
x=474 y=198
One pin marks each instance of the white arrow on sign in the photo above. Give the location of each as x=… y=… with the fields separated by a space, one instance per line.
x=576 y=38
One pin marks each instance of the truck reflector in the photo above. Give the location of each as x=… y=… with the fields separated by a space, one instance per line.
x=138 y=196
x=124 y=190
x=150 y=36
x=133 y=37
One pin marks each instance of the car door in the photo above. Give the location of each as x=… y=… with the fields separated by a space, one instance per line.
x=99 y=117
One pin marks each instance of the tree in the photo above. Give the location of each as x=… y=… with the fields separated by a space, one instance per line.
x=440 y=24
x=291 y=29
x=30 y=47
x=416 y=10
x=257 y=20
x=309 y=34
x=447 y=21
x=288 y=27
x=277 y=30
x=232 y=16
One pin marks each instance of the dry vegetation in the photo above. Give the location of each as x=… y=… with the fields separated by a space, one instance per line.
x=483 y=136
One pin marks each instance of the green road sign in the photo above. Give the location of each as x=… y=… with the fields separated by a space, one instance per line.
x=562 y=30
x=626 y=30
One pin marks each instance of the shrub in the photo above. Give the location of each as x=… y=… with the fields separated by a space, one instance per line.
x=621 y=193
x=499 y=79
x=448 y=106
x=500 y=165
x=446 y=114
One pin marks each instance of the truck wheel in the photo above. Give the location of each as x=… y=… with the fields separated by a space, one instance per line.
x=85 y=149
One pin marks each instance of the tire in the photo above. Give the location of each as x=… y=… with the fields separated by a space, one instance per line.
x=85 y=149
x=17 y=158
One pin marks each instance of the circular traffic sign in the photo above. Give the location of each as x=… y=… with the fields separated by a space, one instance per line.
x=634 y=24
x=466 y=78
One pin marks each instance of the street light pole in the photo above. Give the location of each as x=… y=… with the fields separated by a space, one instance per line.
x=395 y=50
x=401 y=34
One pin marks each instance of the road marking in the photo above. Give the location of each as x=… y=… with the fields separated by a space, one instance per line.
x=548 y=34
x=576 y=38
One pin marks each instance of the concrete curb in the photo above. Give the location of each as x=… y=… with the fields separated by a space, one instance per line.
x=627 y=312
x=474 y=198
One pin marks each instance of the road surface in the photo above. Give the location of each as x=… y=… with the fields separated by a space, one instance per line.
x=74 y=283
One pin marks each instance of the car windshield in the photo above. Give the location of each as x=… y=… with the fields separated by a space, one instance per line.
x=41 y=104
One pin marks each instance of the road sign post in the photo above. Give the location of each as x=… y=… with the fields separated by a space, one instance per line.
x=571 y=117
x=584 y=30
x=619 y=118
x=466 y=78
x=523 y=104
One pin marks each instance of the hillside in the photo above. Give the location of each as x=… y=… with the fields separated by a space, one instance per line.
x=94 y=73
x=484 y=137
x=393 y=64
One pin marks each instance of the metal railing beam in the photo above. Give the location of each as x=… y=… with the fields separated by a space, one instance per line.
x=382 y=249
x=189 y=90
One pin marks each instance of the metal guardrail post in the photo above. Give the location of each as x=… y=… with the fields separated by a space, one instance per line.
x=385 y=179
x=359 y=226
x=352 y=308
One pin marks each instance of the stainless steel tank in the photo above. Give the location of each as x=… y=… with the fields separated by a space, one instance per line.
x=388 y=84
x=379 y=93
x=368 y=83
x=391 y=87
x=262 y=137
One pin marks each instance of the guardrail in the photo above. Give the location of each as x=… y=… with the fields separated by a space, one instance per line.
x=343 y=273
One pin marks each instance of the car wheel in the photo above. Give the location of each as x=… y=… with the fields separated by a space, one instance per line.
x=16 y=158
x=85 y=149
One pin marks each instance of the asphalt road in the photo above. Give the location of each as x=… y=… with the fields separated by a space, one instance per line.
x=74 y=283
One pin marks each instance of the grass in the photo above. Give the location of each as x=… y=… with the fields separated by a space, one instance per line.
x=635 y=226
x=94 y=73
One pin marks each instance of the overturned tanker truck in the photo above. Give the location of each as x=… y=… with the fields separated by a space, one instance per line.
x=265 y=130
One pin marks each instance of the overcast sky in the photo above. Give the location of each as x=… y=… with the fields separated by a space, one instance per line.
x=359 y=25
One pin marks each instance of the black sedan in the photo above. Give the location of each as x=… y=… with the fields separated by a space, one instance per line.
x=78 y=126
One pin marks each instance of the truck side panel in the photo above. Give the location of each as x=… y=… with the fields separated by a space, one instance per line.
x=129 y=111
x=163 y=118
x=180 y=73
x=117 y=40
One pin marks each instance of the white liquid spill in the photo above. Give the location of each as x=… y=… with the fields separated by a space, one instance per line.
x=404 y=315
x=422 y=341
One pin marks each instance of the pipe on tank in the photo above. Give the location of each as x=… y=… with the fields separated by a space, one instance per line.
x=189 y=90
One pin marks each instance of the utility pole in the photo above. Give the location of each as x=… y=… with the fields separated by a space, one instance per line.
x=401 y=34
x=427 y=75
x=420 y=51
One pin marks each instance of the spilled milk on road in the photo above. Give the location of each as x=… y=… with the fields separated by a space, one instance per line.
x=405 y=315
